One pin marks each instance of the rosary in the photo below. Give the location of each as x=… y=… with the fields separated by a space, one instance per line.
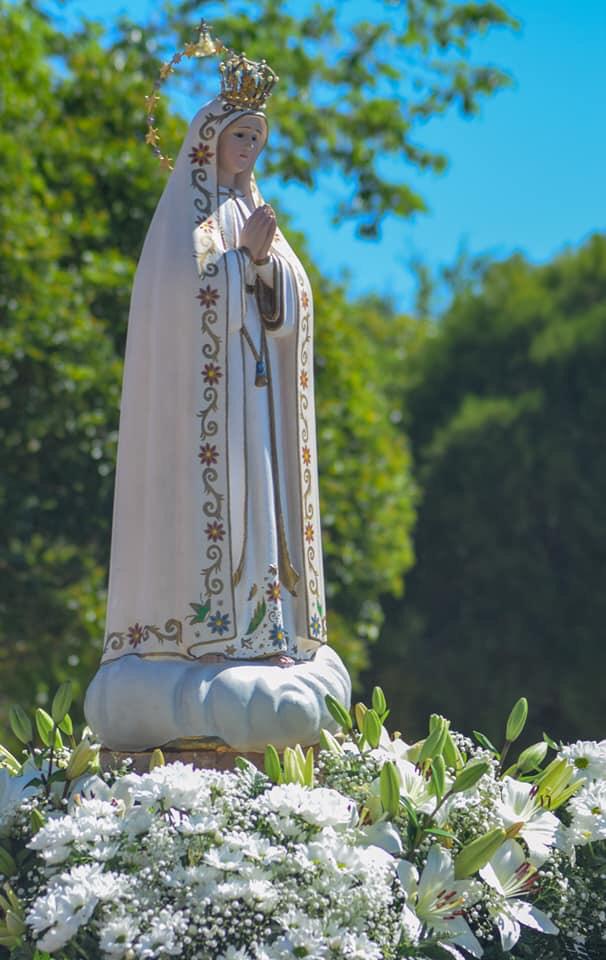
x=261 y=377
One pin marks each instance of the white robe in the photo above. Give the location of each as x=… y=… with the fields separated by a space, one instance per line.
x=199 y=562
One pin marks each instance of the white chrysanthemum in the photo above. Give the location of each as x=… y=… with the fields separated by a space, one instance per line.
x=117 y=936
x=337 y=854
x=588 y=809
x=236 y=953
x=537 y=827
x=320 y=806
x=69 y=903
x=93 y=824
x=164 y=937
x=588 y=757
x=177 y=785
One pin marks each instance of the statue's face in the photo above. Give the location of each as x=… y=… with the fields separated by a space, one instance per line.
x=241 y=143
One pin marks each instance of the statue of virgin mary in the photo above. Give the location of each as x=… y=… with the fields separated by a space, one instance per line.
x=216 y=560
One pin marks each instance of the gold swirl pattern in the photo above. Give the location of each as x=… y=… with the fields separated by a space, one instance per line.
x=316 y=619
x=138 y=634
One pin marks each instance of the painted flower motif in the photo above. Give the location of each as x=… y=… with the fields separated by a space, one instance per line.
x=230 y=650
x=315 y=626
x=211 y=373
x=309 y=532
x=208 y=454
x=273 y=591
x=306 y=454
x=278 y=636
x=304 y=379
x=207 y=296
x=135 y=635
x=219 y=623
x=215 y=531
x=305 y=299
x=201 y=155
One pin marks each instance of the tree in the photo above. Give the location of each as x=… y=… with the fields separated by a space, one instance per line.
x=505 y=406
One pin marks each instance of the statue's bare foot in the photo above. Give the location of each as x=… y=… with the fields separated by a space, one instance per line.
x=281 y=660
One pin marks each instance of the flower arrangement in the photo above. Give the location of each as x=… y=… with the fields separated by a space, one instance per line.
x=374 y=849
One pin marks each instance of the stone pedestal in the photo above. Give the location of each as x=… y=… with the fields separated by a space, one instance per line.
x=135 y=704
x=204 y=754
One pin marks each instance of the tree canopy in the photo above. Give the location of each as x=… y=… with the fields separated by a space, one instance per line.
x=505 y=405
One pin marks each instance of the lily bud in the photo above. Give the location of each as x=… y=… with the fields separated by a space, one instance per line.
x=378 y=701
x=338 y=713
x=308 y=769
x=9 y=761
x=273 y=767
x=470 y=775
x=476 y=854
x=291 y=767
x=156 y=759
x=21 y=725
x=532 y=757
x=300 y=756
x=434 y=743
x=14 y=924
x=452 y=754
x=330 y=743
x=62 y=701
x=371 y=728
x=557 y=784
x=81 y=757
x=36 y=820
x=8 y=867
x=438 y=775
x=389 y=784
x=360 y=711
x=517 y=720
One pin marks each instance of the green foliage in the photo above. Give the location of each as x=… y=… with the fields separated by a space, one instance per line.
x=505 y=406
x=354 y=97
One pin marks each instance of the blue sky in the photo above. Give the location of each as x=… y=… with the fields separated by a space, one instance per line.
x=527 y=174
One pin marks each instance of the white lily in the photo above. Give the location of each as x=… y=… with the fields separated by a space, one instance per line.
x=435 y=901
x=413 y=786
x=512 y=876
x=537 y=827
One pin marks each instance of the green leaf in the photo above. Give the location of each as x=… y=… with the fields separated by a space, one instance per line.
x=62 y=701
x=257 y=617
x=484 y=742
x=21 y=724
x=44 y=725
x=439 y=832
x=200 y=612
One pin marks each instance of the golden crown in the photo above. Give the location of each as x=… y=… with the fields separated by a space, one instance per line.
x=244 y=83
